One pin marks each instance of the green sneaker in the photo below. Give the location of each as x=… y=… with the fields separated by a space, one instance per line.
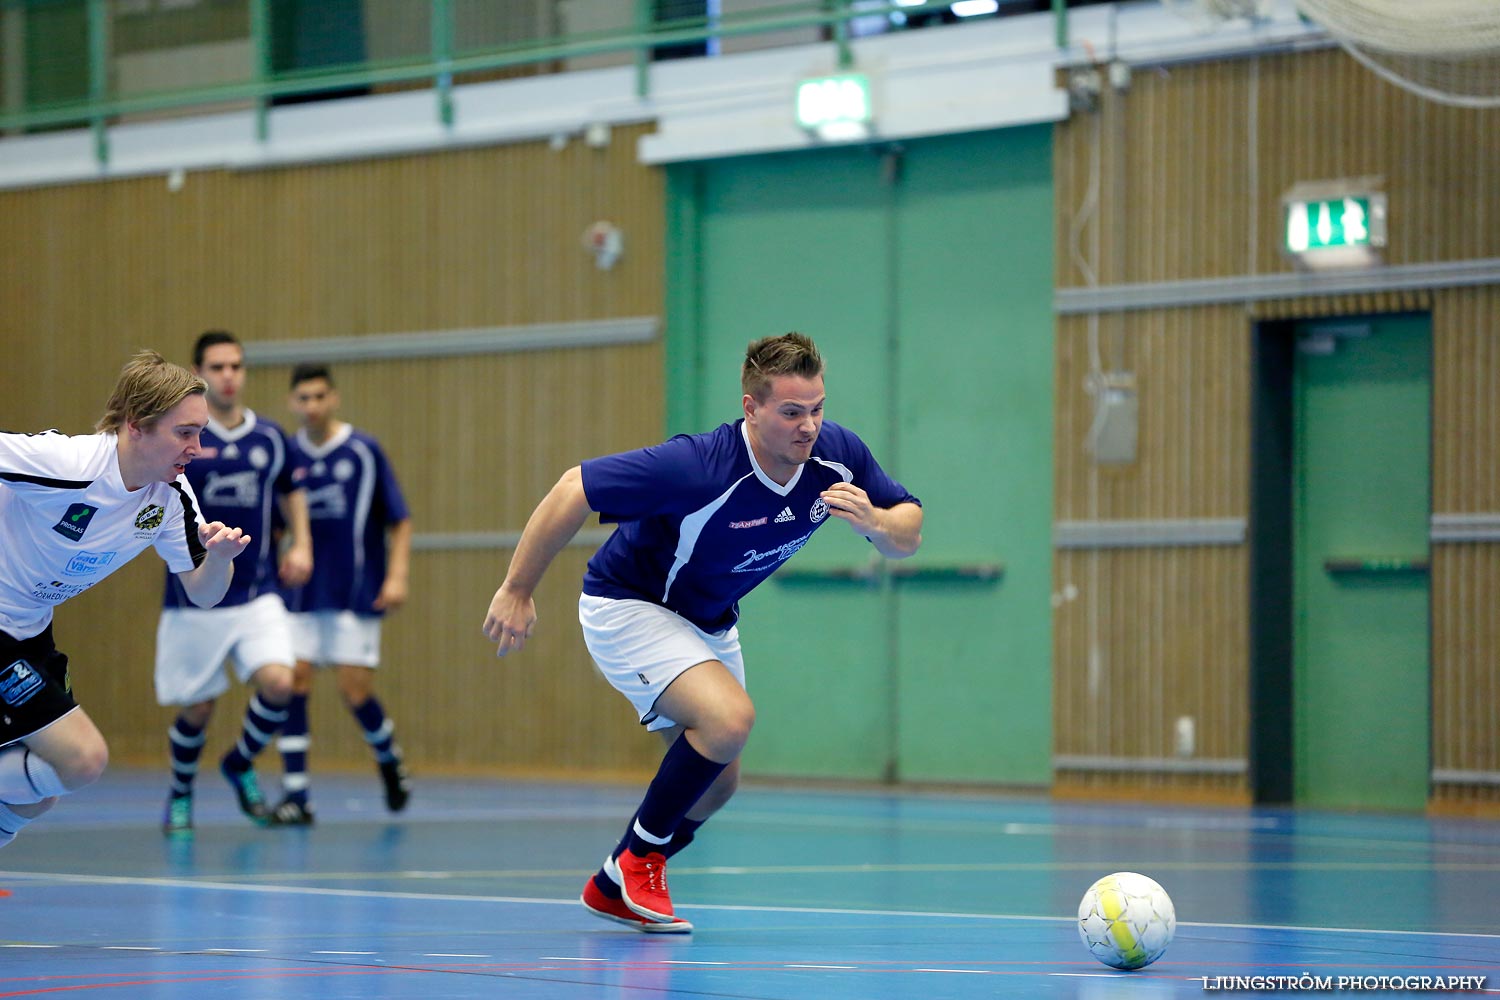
x=247 y=792
x=178 y=821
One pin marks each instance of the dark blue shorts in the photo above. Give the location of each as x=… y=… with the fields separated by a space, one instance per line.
x=34 y=687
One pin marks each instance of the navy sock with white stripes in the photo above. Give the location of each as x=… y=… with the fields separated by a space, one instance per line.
x=261 y=723
x=683 y=777
x=294 y=742
x=185 y=746
x=681 y=837
x=380 y=731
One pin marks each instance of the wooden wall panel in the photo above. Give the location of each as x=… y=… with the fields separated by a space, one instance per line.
x=1466 y=576
x=1180 y=177
x=457 y=240
x=1191 y=369
x=1146 y=637
x=1193 y=160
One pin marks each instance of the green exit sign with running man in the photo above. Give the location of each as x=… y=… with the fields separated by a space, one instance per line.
x=1323 y=230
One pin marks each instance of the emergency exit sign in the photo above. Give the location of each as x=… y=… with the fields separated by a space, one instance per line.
x=835 y=107
x=1341 y=230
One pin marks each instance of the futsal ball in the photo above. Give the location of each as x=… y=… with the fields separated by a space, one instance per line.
x=1126 y=920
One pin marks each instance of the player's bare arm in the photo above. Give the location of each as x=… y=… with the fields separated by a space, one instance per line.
x=207 y=582
x=398 y=568
x=296 y=563
x=559 y=517
x=895 y=531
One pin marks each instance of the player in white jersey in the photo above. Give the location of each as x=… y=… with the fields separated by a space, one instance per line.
x=72 y=511
x=703 y=519
x=244 y=472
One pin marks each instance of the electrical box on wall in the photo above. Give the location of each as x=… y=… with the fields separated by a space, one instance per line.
x=1112 y=435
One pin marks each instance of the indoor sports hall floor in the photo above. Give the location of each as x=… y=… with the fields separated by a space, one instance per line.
x=797 y=894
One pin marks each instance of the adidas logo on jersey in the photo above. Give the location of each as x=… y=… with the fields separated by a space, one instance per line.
x=785 y=516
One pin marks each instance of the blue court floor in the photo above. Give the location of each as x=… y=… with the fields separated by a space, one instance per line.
x=797 y=894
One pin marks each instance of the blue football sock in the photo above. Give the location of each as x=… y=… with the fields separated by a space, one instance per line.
x=683 y=777
x=260 y=725
x=185 y=745
x=294 y=743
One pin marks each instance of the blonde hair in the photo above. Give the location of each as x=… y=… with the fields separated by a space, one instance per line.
x=149 y=385
x=769 y=357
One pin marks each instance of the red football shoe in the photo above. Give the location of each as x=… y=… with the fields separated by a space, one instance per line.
x=643 y=884
x=601 y=905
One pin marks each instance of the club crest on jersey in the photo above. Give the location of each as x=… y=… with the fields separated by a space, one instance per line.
x=150 y=517
x=818 y=512
x=18 y=682
x=75 y=521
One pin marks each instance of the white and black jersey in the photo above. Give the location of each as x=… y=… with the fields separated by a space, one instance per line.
x=67 y=522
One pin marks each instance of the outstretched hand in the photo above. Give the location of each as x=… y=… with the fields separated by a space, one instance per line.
x=222 y=542
x=510 y=621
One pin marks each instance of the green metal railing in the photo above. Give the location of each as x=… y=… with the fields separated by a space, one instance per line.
x=444 y=61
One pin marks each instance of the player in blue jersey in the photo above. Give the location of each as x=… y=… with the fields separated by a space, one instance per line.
x=72 y=511
x=245 y=471
x=703 y=519
x=361 y=535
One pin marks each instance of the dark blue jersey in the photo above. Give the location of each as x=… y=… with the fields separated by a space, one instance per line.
x=239 y=485
x=701 y=524
x=352 y=499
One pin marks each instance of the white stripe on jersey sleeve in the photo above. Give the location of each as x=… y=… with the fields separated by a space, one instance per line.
x=843 y=470
x=363 y=500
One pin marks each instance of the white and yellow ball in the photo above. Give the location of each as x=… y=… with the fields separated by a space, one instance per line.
x=1126 y=920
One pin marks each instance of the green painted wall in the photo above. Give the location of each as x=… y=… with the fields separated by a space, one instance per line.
x=1362 y=674
x=925 y=276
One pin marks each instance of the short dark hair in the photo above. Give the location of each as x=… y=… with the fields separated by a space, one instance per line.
x=769 y=357
x=211 y=338
x=309 y=370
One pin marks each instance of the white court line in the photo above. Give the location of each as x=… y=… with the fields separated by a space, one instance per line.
x=820 y=966
x=346 y=953
x=970 y=972
x=566 y=958
x=573 y=901
x=439 y=954
x=1092 y=975
x=238 y=950
x=129 y=947
x=30 y=946
x=683 y=961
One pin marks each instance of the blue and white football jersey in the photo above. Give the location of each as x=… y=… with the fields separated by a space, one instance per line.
x=701 y=524
x=239 y=484
x=352 y=499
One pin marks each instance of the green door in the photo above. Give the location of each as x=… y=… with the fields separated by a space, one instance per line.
x=924 y=273
x=1360 y=514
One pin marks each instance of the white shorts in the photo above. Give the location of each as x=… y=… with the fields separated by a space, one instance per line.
x=336 y=638
x=193 y=643
x=641 y=647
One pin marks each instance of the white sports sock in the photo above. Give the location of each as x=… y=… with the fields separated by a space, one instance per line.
x=26 y=778
x=10 y=824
